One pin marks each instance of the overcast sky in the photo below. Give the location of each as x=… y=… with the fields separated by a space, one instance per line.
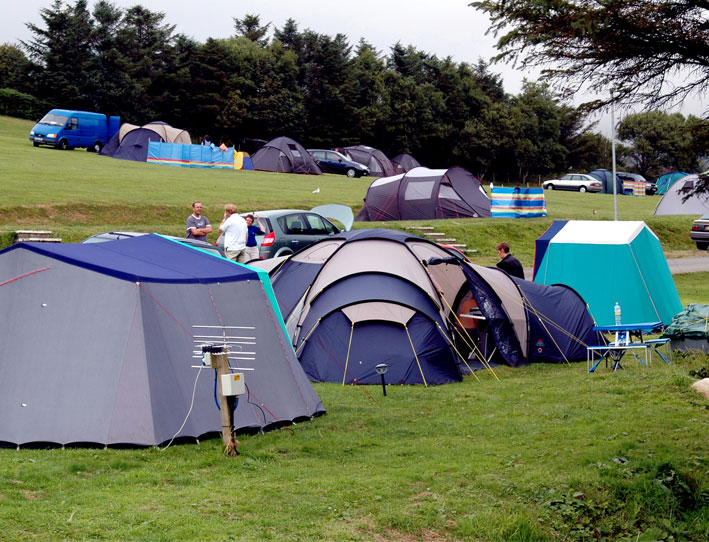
x=442 y=27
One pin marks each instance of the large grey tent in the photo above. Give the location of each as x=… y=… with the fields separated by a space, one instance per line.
x=284 y=155
x=424 y=194
x=103 y=337
x=673 y=203
x=373 y=296
x=377 y=162
x=131 y=142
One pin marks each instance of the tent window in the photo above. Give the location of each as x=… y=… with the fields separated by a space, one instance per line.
x=294 y=150
x=419 y=190
x=447 y=192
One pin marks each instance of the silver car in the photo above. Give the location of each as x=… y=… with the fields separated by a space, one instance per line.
x=700 y=232
x=574 y=181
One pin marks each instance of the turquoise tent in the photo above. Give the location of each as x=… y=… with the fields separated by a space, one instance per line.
x=667 y=180
x=607 y=261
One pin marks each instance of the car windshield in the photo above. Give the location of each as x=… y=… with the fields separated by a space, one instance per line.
x=53 y=119
x=705 y=216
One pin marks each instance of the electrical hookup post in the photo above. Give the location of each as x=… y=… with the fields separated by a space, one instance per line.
x=229 y=384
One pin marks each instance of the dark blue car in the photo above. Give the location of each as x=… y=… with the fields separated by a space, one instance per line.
x=334 y=162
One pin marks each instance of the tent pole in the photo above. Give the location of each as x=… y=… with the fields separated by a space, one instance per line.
x=347 y=359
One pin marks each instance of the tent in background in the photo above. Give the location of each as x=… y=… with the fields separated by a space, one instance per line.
x=518 y=203
x=609 y=261
x=284 y=155
x=606 y=177
x=667 y=180
x=377 y=162
x=107 y=336
x=131 y=142
x=424 y=193
x=672 y=202
x=404 y=162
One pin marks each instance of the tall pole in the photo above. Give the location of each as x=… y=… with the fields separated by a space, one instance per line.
x=615 y=183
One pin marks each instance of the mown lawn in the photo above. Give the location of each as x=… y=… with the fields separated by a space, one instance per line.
x=546 y=452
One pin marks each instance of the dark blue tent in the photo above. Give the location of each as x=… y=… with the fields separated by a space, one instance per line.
x=606 y=177
x=362 y=298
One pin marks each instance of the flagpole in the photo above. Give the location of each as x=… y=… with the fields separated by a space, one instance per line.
x=615 y=182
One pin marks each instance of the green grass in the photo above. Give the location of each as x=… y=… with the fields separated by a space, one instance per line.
x=548 y=452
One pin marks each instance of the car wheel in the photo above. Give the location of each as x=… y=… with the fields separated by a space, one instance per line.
x=35 y=144
x=64 y=145
x=96 y=148
x=350 y=173
x=582 y=189
x=702 y=245
x=550 y=187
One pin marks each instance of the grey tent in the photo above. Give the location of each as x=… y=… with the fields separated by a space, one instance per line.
x=377 y=162
x=404 y=162
x=103 y=338
x=425 y=194
x=284 y=155
x=672 y=202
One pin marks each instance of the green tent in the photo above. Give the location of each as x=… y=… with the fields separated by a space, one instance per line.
x=612 y=261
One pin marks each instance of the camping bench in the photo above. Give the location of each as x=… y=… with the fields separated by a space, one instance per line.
x=623 y=343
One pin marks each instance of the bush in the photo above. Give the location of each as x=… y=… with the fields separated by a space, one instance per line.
x=18 y=104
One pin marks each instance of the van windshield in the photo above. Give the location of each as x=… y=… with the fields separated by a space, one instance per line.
x=53 y=119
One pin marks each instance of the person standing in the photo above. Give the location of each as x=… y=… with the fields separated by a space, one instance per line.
x=234 y=229
x=198 y=226
x=253 y=231
x=508 y=262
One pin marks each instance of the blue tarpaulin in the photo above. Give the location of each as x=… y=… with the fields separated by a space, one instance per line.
x=201 y=156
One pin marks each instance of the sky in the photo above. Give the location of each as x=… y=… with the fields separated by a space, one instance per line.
x=444 y=28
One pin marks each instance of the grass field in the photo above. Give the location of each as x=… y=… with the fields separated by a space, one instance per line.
x=546 y=453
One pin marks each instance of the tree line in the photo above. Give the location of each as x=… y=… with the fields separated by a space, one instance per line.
x=324 y=92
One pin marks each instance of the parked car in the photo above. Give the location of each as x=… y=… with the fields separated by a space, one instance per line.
x=116 y=235
x=700 y=232
x=650 y=187
x=67 y=129
x=335 y=162
x=574 y=181
x=286 y=231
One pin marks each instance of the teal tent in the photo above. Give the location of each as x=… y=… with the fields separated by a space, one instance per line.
x=607 y=261
x=667 y=180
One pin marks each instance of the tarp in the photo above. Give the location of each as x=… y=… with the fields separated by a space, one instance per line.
x=284 y=155
x=518 y=203
x=424 y=194
x=612 y=261
x=673 y=202
x=197 y=156
x=108 y=334
x=689 y=329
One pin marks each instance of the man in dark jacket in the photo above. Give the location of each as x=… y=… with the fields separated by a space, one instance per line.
x=508 y=262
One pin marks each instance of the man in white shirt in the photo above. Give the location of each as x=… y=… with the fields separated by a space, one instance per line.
x=234 y=229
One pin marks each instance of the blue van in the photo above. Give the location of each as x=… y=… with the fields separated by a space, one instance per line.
x=68 y=129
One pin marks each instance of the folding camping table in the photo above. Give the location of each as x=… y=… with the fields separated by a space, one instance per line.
x=624 y=342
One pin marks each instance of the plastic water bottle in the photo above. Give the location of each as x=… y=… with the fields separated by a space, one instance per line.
x=616 y=313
